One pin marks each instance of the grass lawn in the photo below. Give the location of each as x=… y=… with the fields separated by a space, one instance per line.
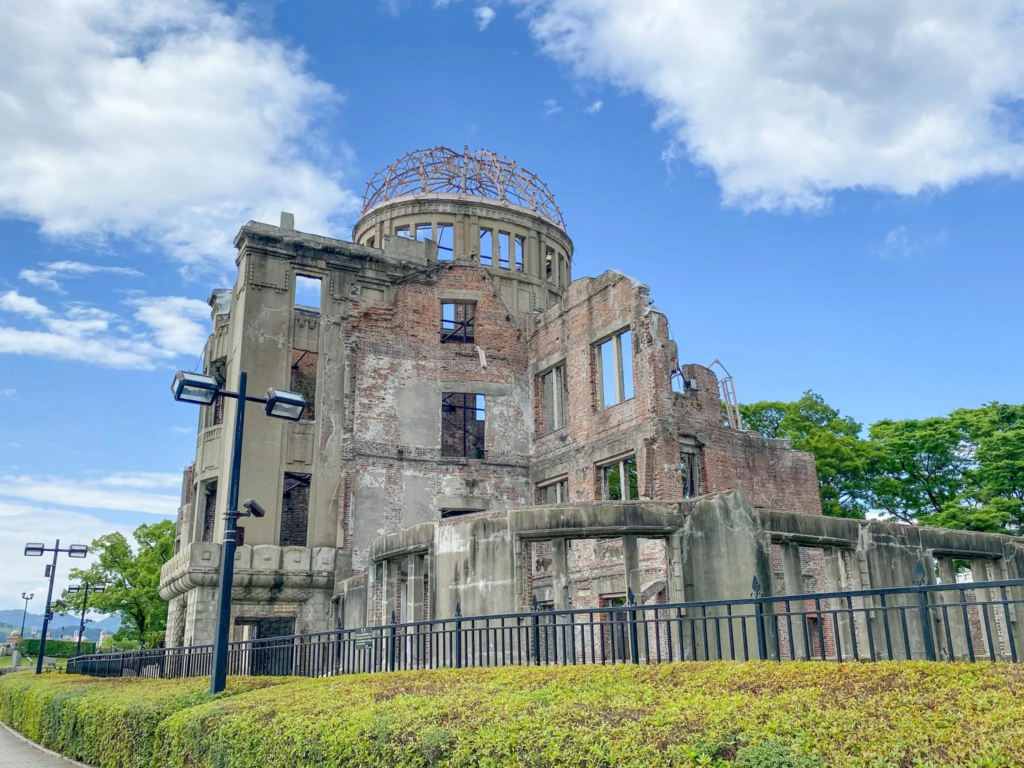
x=754 y=715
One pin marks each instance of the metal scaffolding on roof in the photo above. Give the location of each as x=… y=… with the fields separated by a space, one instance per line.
x=443 y=171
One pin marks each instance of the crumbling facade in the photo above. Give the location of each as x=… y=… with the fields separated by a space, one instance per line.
x=452 y=367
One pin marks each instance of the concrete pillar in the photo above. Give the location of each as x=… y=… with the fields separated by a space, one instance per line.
x=953 y=615
x=201 y=616
x=390 y=602
x=560 y=591
x=415 y=590
x=979 y=573
x=834 y=559
x=794 y=582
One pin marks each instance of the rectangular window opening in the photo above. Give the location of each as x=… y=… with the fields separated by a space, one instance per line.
x=458 y=322
x=209 y=499
x=372 y=241
x=463 y=427
x=504 y=249
x=294 y=510
x=303 y=380
x=615 y=369
x=404 y=232
x=486 y=247
x=307 y=292
x=554 y=389
x=553 y=493
x=619 y=480
x=445 y=241
x=549 y=266
x=520 y=251
x=219 y=371
x=424 y=232
x=690 y=470
x=445 y=513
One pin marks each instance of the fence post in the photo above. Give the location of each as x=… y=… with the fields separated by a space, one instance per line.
x=926 y=625
x=536 y=632
x=762 y=640
x=634 y=643
x=458 y=635
x=392 y=645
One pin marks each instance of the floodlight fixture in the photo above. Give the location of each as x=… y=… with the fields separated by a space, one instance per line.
x=78 y=550
x=194 y=388
x=282 y=404
x=74 y=589
x=99 y=588
x=34 y=550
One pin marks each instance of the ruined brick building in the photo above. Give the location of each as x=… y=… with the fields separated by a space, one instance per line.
x=457 y=373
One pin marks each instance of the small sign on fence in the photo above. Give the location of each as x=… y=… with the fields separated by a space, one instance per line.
x=363 y=639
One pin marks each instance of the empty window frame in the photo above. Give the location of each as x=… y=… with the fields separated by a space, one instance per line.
x=307 y=292
x=294 y=510
x=520 y=246
x=303 y=380
x=554 y=389
x=405 y=232
x=424 y=231
x=549 y=265
x=462 y=424
x=209 y=501
x=619 y=480
x=689 y=467
x=615 y=369
x=458 y=322
x=219 y=370
x=445 y=241
x=486 y=247
x=372 y=241
x=556 y=492
x=505 y=246
x=445 y=513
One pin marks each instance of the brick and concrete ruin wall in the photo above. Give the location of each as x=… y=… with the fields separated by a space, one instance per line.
x=713 y=548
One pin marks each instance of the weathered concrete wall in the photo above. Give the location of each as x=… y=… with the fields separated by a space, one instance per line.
x=713 y=548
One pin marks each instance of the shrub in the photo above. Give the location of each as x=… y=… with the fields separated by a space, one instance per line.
x=757 y=715
x=61 y=649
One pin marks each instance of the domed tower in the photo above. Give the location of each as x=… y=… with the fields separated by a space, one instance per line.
x=476 y=205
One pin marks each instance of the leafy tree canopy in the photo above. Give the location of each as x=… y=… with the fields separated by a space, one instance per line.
x=131 y=580
x=964 y=470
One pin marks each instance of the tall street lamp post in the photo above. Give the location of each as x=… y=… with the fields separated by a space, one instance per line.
x=36 y=550
x=24 y=613
x=281 y=404
x=85 y=588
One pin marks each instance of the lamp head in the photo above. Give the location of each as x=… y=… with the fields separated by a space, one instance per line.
x=282 y=404
x=33 y=550
x=74 y=589
x=78 y=550
x=194 y=388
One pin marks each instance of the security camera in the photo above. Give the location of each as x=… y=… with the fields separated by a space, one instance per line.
x=252 y=507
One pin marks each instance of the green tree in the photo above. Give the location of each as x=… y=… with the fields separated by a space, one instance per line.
x=842 y=458
x=131 y=580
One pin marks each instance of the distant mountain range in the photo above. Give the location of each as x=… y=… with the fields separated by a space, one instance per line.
x=69 y=625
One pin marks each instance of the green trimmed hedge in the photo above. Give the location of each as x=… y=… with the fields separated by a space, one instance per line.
x=60 y=649
x=757 y=715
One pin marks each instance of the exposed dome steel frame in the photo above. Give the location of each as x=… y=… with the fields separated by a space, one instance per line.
x=443 y=171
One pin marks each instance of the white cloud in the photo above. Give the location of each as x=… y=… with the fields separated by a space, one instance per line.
x=8 y=392
x=179 y=325
x=167 y=120
x=484 y=15
x=24 y=523
x=123 y=492
x=176 y=326
x=46 y=277
x=12 y=301
x=594 y=108
x=551 y=107
x=899 y=243
x=788 y=101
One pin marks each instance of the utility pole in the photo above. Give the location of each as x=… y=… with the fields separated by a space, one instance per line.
x=24 y=613
x=85 y=589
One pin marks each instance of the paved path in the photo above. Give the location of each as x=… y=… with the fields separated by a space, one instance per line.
x=16 y=751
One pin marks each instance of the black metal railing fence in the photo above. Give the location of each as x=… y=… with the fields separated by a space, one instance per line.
x=945 y=622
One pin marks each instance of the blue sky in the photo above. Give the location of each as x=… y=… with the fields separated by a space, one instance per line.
x=824 y=199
